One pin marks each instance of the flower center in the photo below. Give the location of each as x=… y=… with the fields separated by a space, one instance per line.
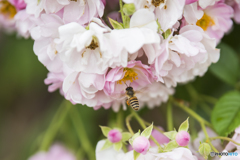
x=130 y=75
x=7 y=9
x=205 y=22
x=157 y=3
x=94 y=44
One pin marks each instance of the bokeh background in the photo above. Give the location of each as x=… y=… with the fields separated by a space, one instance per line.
x=27 y=108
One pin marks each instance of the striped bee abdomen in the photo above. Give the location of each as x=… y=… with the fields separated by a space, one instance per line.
x=134 y=103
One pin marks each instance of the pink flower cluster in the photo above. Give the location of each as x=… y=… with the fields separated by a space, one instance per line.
x=165 y=43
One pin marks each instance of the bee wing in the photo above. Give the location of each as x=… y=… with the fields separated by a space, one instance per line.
x=118 y=96
x=142 y=90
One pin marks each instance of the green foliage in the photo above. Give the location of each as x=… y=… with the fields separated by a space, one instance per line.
x=226 y=113
x=127 y=22
x=107 y=144
x=170 y=146
x=129 y=9
x=171 y=135
x=147 y=132
x=126 y=136
x=135 y=155
x=105 y=130
x=167 y=33
x=227 y=68
x=115 y=24
x=118 y=146
x=184 y=126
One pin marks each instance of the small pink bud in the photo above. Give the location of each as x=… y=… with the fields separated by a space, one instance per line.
x=114 y=136
x=182 y=138
x=190 y=1
x=141 y=145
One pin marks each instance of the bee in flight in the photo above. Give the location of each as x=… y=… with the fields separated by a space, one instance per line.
x=131 y=98
x=130 y=95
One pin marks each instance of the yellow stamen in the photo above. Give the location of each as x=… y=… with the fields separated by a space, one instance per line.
x=94 y=43
x=7 y=9
x=205 y=22
x=157 y=3
x=130 y=75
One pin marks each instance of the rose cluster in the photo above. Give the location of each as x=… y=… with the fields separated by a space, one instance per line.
x=154 y=46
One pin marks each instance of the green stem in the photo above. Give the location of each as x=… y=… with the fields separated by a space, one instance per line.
x=120 y=119
x=192 y=92
x=207 y=137
x=82 y=134
x=122 y=14
x=80 y=154
x=54 y=126
x=129 y=117
x=192 y=113
x=142 y=124
x=225 y=138
x=209 y=99
x=169 y=117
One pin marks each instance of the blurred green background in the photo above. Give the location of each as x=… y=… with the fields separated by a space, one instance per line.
x=26 y=107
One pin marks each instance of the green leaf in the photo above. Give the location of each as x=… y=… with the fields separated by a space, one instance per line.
x=126 y=136
x=134 y=137
x=136 y=155
x=167 y=33
x=117 y=146
x=184 y=126
x=226 y=113
x=107 y=144
x=127 y=22
x=147 y=132
x=227 y=68
x=115 y=24
x=170 y=146
x=129 y=9
x=171 y=135
x=105 y=130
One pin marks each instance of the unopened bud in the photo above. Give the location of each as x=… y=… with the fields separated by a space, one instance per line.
x=129 y=9
x=141 y=144
x=204 y=150
x=114 y=136
x=182 y=138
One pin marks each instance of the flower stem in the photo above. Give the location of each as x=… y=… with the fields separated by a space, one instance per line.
x=209 y=99
x=120 y=119
x=207 y=137
x=169 y=117
x=122 y=14
x=192 y=113
x=54 y=126
x=82 y=135
x=142 y=124
x=225 y=138
x=128 y=124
